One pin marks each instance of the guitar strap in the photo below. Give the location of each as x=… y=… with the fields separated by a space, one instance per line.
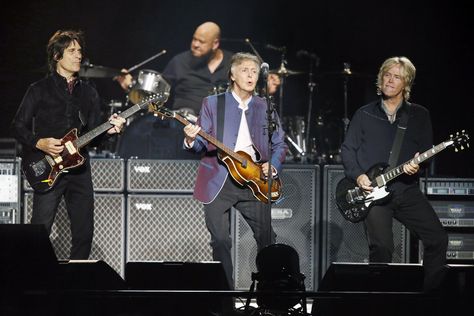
x=397 y=142
x=220 y=116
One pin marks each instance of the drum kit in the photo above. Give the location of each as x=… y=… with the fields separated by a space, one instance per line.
x=323 y=147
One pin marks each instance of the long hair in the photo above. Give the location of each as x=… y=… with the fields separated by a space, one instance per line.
x=59 y=42
x=407 y=71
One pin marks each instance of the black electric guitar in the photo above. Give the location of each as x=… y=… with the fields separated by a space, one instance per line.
x=42 y=170
x=355 y=203
x=241 y=167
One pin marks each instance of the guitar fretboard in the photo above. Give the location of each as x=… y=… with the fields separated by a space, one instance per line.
x=395 y=172
x=89 y=136
x=212 y=140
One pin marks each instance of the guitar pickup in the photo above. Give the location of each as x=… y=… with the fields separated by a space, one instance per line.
x=70 y=147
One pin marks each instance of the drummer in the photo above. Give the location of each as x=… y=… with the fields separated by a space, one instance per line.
x=193 y=73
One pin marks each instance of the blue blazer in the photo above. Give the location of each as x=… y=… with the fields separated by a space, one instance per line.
x=212 y=173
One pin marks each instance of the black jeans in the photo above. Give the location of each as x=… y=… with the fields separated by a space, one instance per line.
x=413 y=210
x=76 y=187
x=217 y=215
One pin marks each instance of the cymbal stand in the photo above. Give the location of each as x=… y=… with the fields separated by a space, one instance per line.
x=247 y=40
x=346 y=72
x=146 y=61
x=283 y=72
x=311 y=86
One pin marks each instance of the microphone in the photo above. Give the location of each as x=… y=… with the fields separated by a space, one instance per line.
x=276 y=48
x=264 y=70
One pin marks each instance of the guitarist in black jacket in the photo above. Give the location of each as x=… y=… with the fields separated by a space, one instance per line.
x=50 y=109
x=369 y=141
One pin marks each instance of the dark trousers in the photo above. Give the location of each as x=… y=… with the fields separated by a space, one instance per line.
x=76 y=187
x=413 y=210
x=217 y=215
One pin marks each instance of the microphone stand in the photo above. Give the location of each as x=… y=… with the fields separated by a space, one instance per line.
x=271 y=126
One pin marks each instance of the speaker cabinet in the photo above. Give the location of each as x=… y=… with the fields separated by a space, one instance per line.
x=10 y=191
x=108 y=175
x=363 y=277
x=176 y=275
x=166 y=228
x=108 y=243
x=27 y=259
x=161 y=176
x=294 y=218
x=344 y=241
x=88 y=275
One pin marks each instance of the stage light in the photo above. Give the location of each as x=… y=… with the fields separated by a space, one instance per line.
x=278 y=271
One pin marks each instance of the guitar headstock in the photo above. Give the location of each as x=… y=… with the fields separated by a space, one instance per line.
x=163 y=112
x=153 y=101
x=460 y=140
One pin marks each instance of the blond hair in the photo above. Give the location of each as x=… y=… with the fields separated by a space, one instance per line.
x=407 y=71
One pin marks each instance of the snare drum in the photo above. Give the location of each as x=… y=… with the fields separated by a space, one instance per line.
x=147 y=83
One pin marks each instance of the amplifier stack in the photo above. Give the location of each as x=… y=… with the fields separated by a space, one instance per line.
x=453 y=202
x=108 y=178
x=10 y=191
x=144 y=211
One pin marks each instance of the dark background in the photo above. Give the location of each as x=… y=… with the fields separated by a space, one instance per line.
x=120 y=34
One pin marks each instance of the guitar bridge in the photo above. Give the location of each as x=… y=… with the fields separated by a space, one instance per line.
x=355 y=196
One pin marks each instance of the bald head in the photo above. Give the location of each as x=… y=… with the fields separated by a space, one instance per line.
x=205 y=39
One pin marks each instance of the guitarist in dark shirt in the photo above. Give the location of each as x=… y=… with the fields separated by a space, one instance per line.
x=50 y=109
x=369 y=141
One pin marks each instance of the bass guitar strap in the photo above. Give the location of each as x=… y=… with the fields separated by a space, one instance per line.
x=220 y=116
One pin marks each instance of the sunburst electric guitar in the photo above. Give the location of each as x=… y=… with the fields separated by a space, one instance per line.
x=355 y=203
x=42 y=170
x=240 y=165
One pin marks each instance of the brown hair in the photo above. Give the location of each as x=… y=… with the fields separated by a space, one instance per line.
x=59 y=42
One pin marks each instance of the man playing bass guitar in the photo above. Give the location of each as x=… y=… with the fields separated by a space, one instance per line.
x=369 y=141
x=244 y=129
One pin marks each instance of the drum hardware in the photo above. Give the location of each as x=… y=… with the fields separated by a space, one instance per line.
x=313 y=63
x=295 y=150
x=219 y=88
x=89 y=70
x=146 y=61
x=295 y=136
x=148 y=82
x=345 y=75
x=347 y=72
x=188 y=114
x=136 y=90
x=260 y=59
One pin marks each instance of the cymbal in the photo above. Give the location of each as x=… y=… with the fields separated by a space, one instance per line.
x=95 y=71
x=344 y=74
x=284 y=72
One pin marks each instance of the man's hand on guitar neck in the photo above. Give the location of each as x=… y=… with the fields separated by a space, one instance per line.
x=117 y=122
x=412 y=167
x=51 y=146
x=190 y=133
